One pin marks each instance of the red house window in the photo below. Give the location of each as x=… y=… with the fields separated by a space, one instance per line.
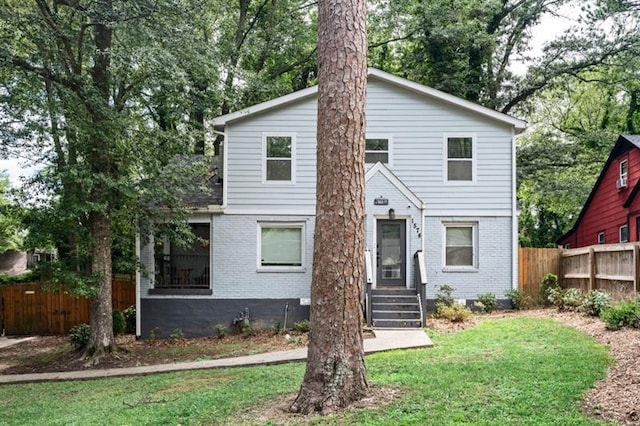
x=600 y=237
x=624 y=234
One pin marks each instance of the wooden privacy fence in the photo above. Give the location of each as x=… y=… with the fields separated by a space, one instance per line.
x=609 y=267
x=28 y=309
x=533 y=265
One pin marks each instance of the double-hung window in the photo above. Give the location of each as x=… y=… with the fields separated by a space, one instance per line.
x=280 y=246
x=460 y=159
x=624 y=234
x=278 y=159
x=601 y=239
x=460 y=247
x=376 y=149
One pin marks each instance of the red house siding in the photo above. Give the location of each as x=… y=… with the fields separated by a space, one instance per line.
x=605 y=210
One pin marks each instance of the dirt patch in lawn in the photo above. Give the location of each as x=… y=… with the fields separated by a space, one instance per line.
x=54 y=353
x=616 y=397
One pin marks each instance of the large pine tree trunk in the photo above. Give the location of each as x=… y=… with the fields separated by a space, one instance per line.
x=336 y=374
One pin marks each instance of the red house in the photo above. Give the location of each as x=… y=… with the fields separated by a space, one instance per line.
x=611 y=214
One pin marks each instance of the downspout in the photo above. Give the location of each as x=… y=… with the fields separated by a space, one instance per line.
x=514 y=214
x=223 y=144
x=138 y=277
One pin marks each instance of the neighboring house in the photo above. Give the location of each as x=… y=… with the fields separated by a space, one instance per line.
x=611 y=214
x=439 y=185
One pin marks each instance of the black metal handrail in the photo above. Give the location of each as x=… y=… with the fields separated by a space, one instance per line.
x=420 y=281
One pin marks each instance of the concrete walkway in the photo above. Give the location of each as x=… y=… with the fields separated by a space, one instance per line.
x=385 y=340
x=9 y=341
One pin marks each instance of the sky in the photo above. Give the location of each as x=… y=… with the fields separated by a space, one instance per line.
x=549 y=28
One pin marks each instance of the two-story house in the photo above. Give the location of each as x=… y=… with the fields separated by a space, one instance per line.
x=611 y=214
x=440 y=186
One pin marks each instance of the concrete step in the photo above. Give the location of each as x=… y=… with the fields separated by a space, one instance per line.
x=396 y=323
x=394 y=299
x=395 y=306
x=412 y=315
x=392 y=291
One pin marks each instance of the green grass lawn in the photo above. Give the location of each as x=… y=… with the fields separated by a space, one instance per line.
x=511 y=371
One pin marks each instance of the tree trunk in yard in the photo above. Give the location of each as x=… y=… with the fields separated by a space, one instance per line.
x=336 y=374
x=101 y=340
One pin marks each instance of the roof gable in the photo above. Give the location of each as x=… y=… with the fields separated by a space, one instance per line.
x=622 y=145
x=519 y=125
x=395 y=181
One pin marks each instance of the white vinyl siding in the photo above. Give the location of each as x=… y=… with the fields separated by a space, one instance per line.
x=460 y=245
x=280 y=246
x=278 y=158
x=417 y=155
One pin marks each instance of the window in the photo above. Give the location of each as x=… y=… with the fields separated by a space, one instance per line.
x=281 y=246
x=600 y=237
x=624 y=234
x=376 y=150
x=460 y=159
x=623 y=170
x=279 y=159
x=460 y=247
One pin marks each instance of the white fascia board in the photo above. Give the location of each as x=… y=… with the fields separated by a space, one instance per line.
x=519 y=125
x=222 y=120
x=395 y=181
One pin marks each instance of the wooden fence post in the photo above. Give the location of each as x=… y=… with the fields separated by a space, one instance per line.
x=592 y=268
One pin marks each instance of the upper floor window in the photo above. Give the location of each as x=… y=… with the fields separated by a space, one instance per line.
x=624 y=173
x=279 y=159
x=460 y=159
x=460 y=248
x=376 y=149
x=624 y=234
x=601 y=238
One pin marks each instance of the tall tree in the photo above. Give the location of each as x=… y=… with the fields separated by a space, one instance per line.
x=10 y=223
x=336 y=374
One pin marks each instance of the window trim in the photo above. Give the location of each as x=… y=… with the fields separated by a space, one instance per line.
x=620 y=233
x=474 y=156
x=474 y=253
x=624 y=175
x=264 y=159
x=389 y=150
x=599 y=240
x=290 y=225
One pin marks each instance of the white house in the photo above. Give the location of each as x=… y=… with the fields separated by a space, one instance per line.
x=440 y=187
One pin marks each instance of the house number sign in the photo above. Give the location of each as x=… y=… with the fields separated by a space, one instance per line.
x=380 y=201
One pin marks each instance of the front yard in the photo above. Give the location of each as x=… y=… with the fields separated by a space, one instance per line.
x=514 y=370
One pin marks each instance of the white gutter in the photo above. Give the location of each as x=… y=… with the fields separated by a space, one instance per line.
x=514 y=215
x=138 y=277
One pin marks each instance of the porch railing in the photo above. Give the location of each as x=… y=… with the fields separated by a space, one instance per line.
x=182 y=271
x=368 y=271
x=420 y=280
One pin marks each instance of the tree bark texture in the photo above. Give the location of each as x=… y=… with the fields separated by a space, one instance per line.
x=336 y=374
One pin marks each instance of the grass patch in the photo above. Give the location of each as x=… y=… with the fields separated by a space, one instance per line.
x=510 y=371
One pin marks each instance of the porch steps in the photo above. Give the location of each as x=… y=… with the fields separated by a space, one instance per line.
x=395 y=308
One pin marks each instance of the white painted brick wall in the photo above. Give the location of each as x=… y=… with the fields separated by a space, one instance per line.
x=494 y=258
x=234 y=257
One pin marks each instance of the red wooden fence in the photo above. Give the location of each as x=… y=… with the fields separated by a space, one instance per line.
x=28 y=309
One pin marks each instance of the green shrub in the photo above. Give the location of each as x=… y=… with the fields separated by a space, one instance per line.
x=487 y=302
x=119 y=323
x=454 y=313
x=625 y=314
x=79 y=336
x=444 y=296
x=572 y=299
x=302 y=326
x=517 y=299
x=595 y=302
x=130 y=319
x=550 y=281
x=220 y=330
x=176 y=334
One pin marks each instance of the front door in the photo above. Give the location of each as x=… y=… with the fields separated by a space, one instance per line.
x=391 y=253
